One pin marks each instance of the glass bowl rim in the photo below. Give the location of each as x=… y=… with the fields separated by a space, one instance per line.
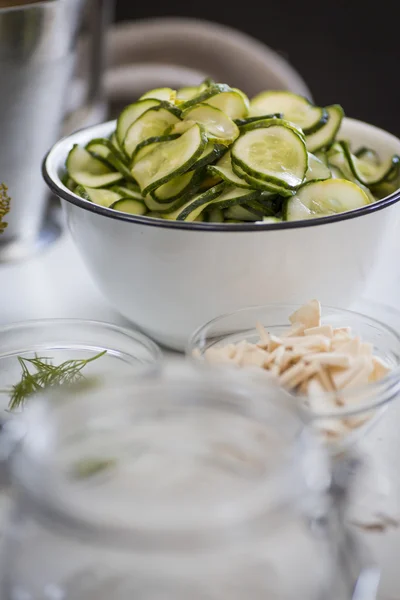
x=386 y=388
x=133 y=334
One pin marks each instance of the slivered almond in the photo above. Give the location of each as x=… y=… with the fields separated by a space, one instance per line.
x=329 y=359
x=264 y=335
x=296 y=329
x=352 y=347
x=379 y=370
x=279 y=352
x=274 y=342
x=297 y=374
x=325 y=330
x=309 y=314
x=346 y=330
x=317 y=342
x=240 y=350
x=357 y=372
x=253 y=356
x=325 y=380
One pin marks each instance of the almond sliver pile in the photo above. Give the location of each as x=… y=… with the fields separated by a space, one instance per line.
x=309 y=358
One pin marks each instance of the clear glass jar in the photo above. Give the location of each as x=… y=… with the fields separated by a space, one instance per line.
x=189 y=486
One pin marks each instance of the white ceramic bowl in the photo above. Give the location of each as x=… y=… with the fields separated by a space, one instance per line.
x=169 y=277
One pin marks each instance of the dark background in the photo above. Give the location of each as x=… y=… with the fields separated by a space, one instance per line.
x=347 y=52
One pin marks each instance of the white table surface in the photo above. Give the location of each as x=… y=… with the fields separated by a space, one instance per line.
x=56 y=283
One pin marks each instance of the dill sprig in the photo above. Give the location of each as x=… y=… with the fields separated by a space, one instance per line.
x=45 y=375
x=5 y=201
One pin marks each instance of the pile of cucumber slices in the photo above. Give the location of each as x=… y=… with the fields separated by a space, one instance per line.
x=209 y=154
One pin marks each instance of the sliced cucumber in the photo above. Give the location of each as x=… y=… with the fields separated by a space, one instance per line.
x=241 y=213
x=327 y=133
x=367 y=173
x=196 y=205
x=212 y=152
x=218 y=126
x=169 y=159
x=152 y=123
x=164 y=94
x=164 y=207
x=248 y=120
x=259 y=184
x=223 y=169
x=368 y=155
x=322 y=198
x=130 y=114
x=296 y=109
x=103 y=149
x=175 y=188
x=317 y=170
x=276 y=154
x=232 y=196
x=98 y=196
x=232 y=102
x=188 y=93
x=86 y=170
x=215 y=215
x=126 y=192
x=128 y=205
x=148 y=145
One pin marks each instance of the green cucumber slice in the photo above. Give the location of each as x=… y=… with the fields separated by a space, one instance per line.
x=215 y=215
x=223 y=169
x=86 y=170
x=196 y=205
x=175 y=188
x=103 y=149
x=340 y=168
x=164 y=207
x=233 y=195
x=232 y=102
x=276 y=154
x=169 y=159
x=241 y=213
x=367 y=173
x=152 y=123
x=212 y=152
x=148 y=145
x=248 y=120
x=165 y=94
x=259 y=184
x=130 y=114
x=98 y=196
x=317 y=170
x=295 y=108
x=369 y=155
x=322 y=198
x=327 y=133
x=126 y=192
x=218 y=126
x=188 y=93
x=128 y=205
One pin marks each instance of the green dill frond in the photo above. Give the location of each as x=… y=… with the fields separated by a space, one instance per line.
x=39 y=373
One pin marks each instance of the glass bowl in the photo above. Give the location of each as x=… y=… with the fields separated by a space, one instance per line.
x=241 y=325
x=126 y=351
x=375 y=504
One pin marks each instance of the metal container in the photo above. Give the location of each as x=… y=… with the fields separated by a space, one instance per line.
x=37 y=58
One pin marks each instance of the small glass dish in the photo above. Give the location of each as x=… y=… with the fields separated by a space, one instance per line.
x=59 y=340
x=362 y=404
x=376 y=499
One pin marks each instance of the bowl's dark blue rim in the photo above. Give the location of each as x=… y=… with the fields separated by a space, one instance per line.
x=218 y=227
